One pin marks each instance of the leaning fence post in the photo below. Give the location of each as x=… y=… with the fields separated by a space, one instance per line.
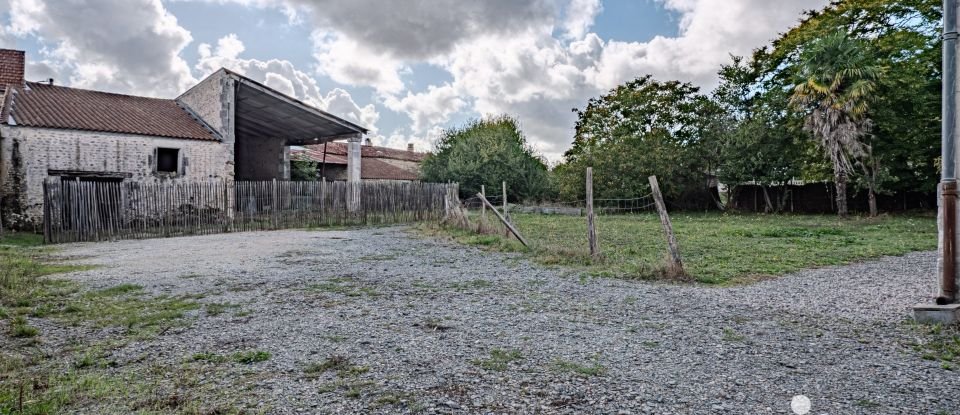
x=504 y=220
x=591 y=222
x=672 y=245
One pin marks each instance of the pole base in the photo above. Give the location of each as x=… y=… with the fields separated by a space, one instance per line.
x=937 y=314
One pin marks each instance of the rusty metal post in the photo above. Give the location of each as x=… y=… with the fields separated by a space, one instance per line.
x=948 y=271
x=948 y=179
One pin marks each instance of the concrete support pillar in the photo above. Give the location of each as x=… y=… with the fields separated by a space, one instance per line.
x=353 y=158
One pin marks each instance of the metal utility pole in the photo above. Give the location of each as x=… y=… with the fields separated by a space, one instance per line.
x=948 y=179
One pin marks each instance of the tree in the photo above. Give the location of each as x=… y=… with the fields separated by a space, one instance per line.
x=755 y=143
x=837 y=79
x=642 y=128
x=903 y=37
x=303 y=169
x=487 y=152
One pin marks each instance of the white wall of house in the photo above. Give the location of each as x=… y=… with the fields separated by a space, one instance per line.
x=28 y=154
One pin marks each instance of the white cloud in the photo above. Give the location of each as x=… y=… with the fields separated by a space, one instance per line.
x=580 y=15
x=284 y=77
x=532 y=59
x=351 y=63
x=428 y=109
x=130 y=46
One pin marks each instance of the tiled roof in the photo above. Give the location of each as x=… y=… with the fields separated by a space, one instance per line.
x=49 y=106
x=372 y=167
x=370 y=151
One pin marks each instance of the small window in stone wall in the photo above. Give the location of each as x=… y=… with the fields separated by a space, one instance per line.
x=168 y=160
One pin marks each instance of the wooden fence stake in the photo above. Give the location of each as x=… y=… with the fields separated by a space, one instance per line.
x=504 y=220
x=665 y=221
x=591 y=222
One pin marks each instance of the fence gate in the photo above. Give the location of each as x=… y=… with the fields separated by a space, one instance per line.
x=75 y=211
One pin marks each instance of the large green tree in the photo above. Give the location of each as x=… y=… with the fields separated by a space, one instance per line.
x=903 y=37
x=642 y=128
x=837 y=79
x=488 y=152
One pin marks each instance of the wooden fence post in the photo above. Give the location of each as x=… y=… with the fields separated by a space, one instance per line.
x=591 y=222
x=672 y=245
x=504 y=220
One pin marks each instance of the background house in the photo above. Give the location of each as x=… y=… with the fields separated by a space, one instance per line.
x=227 y=127
x=379 y=163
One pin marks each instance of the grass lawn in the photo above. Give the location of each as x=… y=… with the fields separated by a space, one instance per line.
x=716 y=248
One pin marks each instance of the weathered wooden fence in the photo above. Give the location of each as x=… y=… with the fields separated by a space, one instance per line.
x=96 y=211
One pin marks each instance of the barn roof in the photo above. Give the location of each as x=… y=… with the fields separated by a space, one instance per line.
x=49 y=106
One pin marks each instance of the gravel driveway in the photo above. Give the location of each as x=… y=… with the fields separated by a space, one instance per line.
x=419 y=324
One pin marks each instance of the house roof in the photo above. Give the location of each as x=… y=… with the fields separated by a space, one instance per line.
x=366 y=151
x=49 y=106
x=372 y=165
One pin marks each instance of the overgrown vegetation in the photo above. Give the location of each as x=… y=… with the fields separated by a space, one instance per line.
x=716 y=248
x=41 y=376
x=487 y=152
x=851 y=93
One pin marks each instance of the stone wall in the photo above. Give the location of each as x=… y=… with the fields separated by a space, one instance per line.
x=27 y=155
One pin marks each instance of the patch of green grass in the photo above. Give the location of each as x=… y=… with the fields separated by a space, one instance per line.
x=499 y=359
x=731 y=335
x=246 y=358
x=19 y=328
x=938 y=343
x=208 y=357
x=586 y=370
x=717 y=248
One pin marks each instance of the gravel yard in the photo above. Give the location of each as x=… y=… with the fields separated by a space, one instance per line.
x=385 y=321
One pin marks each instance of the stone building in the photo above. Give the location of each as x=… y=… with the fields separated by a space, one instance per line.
x=227 y=127
x=379 y=163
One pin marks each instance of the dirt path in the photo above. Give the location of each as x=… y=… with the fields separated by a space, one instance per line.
x=381 y=321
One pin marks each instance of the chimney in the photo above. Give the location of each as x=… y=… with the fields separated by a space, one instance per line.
x=410 y=147
x=11 y=66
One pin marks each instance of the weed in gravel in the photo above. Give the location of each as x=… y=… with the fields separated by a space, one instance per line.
x=475 y=284
x=378 y=257
x=344 y=285
x=19 y=328
x=249 y=357
x=208 y=357
x=397 y=399
x=939 y=344
x=499 y=359
x=339 y=364
x=433 y=324
x=731 y=335
x=587 y=370
x=866 y=403
x=216 y=309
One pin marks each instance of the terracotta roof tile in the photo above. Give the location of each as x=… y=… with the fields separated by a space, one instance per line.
x=371 y=151
x=49 y=106
x=372 y=167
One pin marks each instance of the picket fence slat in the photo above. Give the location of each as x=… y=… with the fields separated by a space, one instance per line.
x=79 y=211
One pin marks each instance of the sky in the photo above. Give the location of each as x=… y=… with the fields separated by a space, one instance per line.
x=406 y=69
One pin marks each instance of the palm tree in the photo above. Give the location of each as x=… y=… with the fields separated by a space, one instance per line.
x=837 y=77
